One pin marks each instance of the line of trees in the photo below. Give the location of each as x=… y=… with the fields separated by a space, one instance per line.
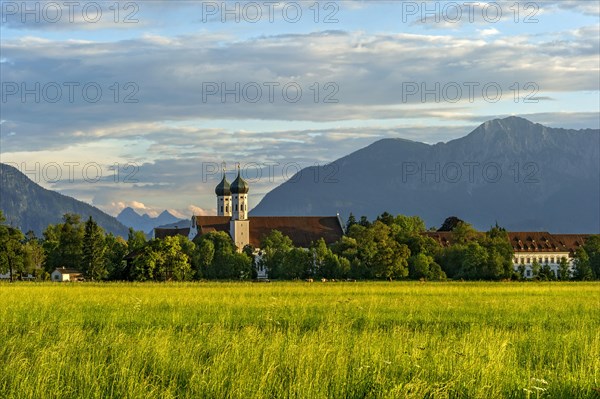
x=390 y=248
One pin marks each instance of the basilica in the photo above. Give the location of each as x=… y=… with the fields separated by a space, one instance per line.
x=232 y=217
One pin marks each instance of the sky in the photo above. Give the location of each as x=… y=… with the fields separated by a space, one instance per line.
x=142 y=103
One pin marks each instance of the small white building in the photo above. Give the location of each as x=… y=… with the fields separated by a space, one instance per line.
x=63 y=274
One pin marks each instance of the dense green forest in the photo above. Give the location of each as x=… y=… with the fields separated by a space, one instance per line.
x=388 y=248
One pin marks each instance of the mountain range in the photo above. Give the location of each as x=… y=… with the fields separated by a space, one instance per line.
x=145 y=223
x=523 y=175
x=28 y=206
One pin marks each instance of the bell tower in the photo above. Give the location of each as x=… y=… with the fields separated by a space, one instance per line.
x=239 y=226
x=223 y=192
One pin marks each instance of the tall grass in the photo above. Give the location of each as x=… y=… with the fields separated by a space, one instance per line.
x=300 y=340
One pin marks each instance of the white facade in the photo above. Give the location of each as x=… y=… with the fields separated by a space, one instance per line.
x=224 y=205
x=240 y=233
x=240 y=206
x=59 y=276
x=62 y=275
x=526 y=259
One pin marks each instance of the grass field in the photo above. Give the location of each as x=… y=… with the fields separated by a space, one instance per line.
x=300 y=340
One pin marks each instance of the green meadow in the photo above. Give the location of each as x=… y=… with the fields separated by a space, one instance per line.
x=300 y=340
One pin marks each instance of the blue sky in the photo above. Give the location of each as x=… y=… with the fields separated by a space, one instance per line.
x=163 y=120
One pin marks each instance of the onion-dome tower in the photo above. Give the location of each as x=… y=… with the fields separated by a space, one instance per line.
x=223 y=192
x=239 y=192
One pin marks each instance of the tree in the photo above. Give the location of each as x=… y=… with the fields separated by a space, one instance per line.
x=94 y=248
x=410 y=224
x=319 y=253
x=450 y=223
x=297 y=264
x=147 y=264
x=116 y=250
x=583 y=269
x=379 y=254
x=328 y=264
x=205 y=253
x=521 y=270
x=418 y=266
x=500 y=254
x=175 y=263
x=163 y=260
x=12 y=254
x=463 y=233
x=364 y=222
x=564 y=272
x=241 y=266
x=386 y=218
x=592 y=249
x=451 y=258
x=436 y=272
x=135 y=240
x=50 y=244
x=347 y=251
x=274 y=248
x=351 y=222
x=219 y=259
x=546 y=273
x=535 y=269
x=34 y=256
x=63 y=243
x=474 y=261
x=421 y=266
x=419 y=243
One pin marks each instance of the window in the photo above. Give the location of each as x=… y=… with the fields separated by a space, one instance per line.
x=528 y=260
x=221 y=208
x=528 y=273
x=236 y=207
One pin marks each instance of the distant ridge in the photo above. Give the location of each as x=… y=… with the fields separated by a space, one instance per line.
x=548 y=180
x=145 y=223
x=28 y=206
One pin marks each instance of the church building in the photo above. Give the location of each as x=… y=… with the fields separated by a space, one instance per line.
x=232 y=217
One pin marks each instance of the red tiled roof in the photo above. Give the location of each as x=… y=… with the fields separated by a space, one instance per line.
x=444 y=238
x=171 y=232
x=526 y=241
x=571 y=241
x=302 y=230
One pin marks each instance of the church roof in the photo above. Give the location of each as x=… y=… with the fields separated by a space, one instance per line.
x=239 y=185
x=170 y=232
x=223 y=188
x=302 y=230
